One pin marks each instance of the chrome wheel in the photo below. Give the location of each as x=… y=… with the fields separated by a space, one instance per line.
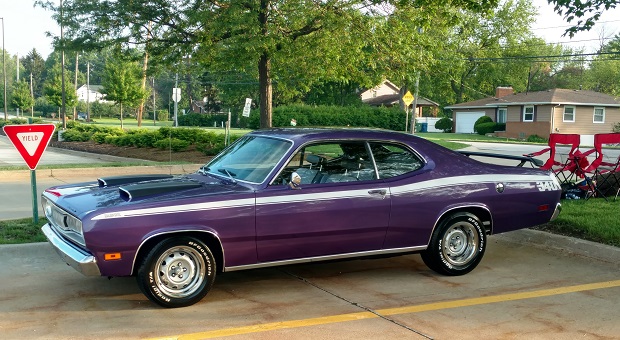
x=177 y=272
x=457 y=244
x=460 y=244
x=180 y=272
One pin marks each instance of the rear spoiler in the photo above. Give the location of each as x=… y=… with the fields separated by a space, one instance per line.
x=535 y=163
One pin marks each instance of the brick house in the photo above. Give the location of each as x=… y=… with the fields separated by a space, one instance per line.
x=541 y=113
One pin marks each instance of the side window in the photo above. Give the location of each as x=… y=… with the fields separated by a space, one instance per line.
x=330 y=162
x=394 y=160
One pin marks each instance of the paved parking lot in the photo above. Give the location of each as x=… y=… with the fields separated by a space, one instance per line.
x=529 y=285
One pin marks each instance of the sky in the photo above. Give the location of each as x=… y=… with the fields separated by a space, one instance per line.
x=25 y=27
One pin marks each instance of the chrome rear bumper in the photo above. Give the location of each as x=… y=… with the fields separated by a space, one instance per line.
x=75 y=257
x=558 y=209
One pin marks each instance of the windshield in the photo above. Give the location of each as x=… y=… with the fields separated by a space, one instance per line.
x=250 y=159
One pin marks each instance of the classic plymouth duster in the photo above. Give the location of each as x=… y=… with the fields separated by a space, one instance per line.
x=284 y=196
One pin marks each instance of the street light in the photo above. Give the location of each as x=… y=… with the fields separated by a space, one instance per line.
x=4 y=72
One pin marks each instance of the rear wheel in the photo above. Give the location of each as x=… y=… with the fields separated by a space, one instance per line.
x=457 y=245
x=177 y=272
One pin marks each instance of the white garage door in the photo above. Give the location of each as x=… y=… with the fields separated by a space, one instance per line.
x=465 y=121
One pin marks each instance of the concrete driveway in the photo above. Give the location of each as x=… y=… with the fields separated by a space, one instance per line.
x=530 y=285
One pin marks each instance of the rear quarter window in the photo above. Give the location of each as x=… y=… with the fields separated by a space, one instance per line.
x=394 y=160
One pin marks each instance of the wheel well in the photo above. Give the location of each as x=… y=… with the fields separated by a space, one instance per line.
x=209 y=240
x=482 y=213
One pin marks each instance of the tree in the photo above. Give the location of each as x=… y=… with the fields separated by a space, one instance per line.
x=22 y=97
x=52 y=89
x=122 y=82
x=34 y=64
x=586 y=13
x=289 y=43
x=604 y=70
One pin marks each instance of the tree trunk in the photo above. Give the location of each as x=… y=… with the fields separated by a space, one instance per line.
x=264 y=72
x=121 y=115
x=144 y=68
x=265 y=89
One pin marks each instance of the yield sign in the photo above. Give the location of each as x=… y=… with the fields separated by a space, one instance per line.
x=30 y=140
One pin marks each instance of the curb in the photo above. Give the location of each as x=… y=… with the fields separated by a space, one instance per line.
x=563 y=244
x=94 y=173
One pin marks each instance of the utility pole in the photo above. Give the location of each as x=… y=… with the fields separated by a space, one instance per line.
x=63 y=111
x=176 y=104
x=88 y=91
x=77 y=55
x=415 y=102
x=6 y=117
x=154 y=111
x=32 y=95
x=17 y=78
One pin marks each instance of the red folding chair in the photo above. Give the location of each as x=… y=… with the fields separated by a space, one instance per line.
x=570 y=169
x=604 y=173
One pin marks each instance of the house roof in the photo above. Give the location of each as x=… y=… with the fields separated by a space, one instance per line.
x=95 y=88
x=549 y=97
x=392 y=99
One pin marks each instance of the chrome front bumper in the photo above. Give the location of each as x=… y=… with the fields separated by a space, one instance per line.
x=75 y=257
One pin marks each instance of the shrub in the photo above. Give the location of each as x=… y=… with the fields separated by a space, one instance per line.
x=174 y=144
x=99 y=137
x=484 y=128
x=616 y=127
x=444 y=124
x=536 y=139
x=482 y=120
x=72 y=135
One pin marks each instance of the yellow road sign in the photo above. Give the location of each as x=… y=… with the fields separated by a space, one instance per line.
x=408 y=98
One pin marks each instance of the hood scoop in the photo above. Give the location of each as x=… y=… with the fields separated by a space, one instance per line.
x=135 y=191
x=119 y=180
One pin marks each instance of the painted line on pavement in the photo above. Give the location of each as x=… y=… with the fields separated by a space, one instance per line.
x=392 y=311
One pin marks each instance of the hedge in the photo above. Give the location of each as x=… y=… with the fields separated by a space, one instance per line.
x=306 y=115
x=177 y=139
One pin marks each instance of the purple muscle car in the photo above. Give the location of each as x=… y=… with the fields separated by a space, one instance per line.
x=284 y=196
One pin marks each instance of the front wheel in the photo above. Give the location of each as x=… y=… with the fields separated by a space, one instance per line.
x=177 y=272
x=457 y=245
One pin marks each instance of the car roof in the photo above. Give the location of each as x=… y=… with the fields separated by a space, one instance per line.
x=304 y=134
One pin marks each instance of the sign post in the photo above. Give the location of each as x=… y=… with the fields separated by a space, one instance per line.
x=31 y=141
x=407 y=99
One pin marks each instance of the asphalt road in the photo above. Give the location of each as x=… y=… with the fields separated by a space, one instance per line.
x=530 y=285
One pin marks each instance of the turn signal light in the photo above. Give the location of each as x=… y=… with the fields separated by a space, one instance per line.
x=112 y=256
x=543 y=207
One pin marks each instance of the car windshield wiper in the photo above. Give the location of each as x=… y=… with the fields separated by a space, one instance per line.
x=230 y=174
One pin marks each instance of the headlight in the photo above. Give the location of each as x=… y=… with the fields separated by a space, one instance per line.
x=73 y=224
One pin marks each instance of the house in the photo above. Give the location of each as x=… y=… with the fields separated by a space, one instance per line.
x=91 y=93
x=388 y=94
x=541 y=113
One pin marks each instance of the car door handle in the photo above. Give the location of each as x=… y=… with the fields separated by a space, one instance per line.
x=381 y=192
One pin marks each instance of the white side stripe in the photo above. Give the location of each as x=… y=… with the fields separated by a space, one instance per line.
x=519 y=181
x=178 y=208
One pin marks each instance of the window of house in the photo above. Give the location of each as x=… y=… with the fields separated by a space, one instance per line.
x=528 y=113
x=569 y=114
x=502 y=113
x=599 y=115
